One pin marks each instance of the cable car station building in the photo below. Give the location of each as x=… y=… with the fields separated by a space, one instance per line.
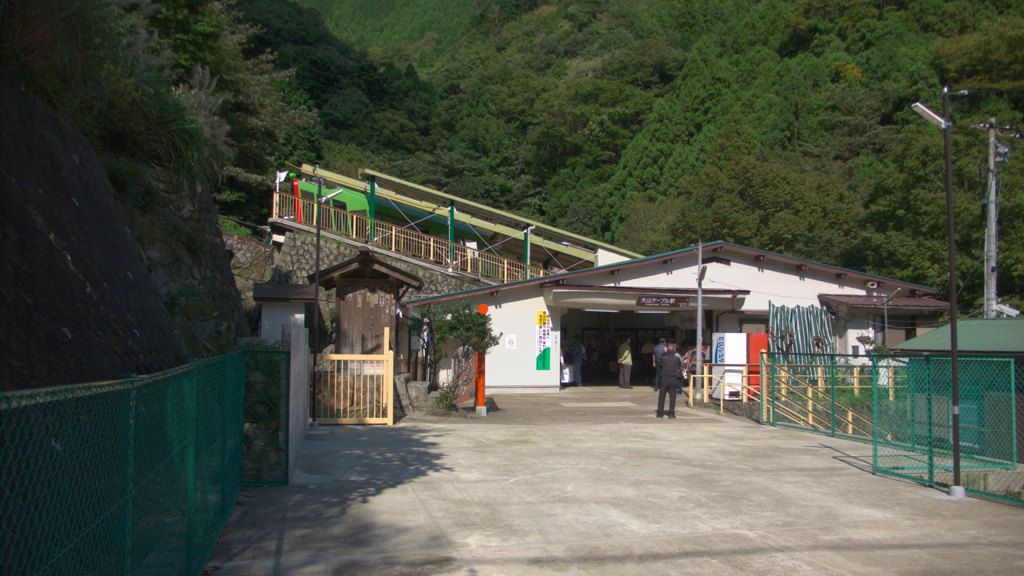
x=647 y=298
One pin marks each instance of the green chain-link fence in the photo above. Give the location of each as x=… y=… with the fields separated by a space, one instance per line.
x=266 y=418
x=903 y=405
x=914 y=422
x=827 y=393
x=134 y=476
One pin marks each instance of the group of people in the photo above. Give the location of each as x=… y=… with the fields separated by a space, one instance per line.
x=671 y=368
x=577 y=359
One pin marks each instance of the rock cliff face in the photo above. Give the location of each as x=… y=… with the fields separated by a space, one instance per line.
x=97 y=283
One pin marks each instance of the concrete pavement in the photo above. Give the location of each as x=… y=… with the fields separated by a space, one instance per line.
x=587 y=481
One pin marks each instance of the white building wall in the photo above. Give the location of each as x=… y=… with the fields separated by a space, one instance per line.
x=514 y=314
x=275 y=316
x=514 y=310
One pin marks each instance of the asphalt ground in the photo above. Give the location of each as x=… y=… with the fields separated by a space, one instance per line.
x=588 y=481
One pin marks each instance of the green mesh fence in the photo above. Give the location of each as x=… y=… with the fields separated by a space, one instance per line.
x=903 y=405
x=825 y=393
x=128 y=477
x=266 y=418
x=914 y=422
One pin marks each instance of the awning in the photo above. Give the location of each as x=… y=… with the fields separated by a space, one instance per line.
x=629 y=299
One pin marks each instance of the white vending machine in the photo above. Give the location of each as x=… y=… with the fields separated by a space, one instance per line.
x=728 y=349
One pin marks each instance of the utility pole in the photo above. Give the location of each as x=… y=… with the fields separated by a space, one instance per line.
x=991 y=233
x=997 y=153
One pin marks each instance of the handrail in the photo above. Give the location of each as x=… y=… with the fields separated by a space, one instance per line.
x=832 y=409
x=397 y=239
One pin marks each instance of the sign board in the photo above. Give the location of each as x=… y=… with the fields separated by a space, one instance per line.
x=543 y=340
x=669 y=302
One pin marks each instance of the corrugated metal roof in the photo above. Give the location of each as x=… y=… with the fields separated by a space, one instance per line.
x=879 y=301
x=976 y=335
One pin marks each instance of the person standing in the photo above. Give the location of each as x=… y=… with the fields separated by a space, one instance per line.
x=625 y=363
x=671 y=371
x=577 y=354
x=659 y=351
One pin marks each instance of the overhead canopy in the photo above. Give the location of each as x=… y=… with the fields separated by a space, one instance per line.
x=974 y=335
x=568 y=248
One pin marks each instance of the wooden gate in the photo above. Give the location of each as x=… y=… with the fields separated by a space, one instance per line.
x=356 y=388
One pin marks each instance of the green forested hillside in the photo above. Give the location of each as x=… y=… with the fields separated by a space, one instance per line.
x=784 y=125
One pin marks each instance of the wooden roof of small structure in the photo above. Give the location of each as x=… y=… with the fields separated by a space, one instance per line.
x=366 y=270
x=283 y=293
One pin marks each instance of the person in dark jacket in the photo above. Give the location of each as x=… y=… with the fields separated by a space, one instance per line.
x=671 y=371
x=659 y=351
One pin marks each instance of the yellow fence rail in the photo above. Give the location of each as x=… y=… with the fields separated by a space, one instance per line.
x=709 y=384
x=834 y=398
x=355 y=389
x=405 y=241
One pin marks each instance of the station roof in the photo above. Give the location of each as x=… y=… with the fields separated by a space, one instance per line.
x=711 y=251
x=898 y=303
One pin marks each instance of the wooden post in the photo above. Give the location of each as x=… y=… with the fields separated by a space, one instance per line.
x=892 y=386
x=746 y=382
x=704 y=383
x=481 y=405
x=721 y=396
x=388 y=377
x=849 y=421
x=821 y=376
x=856 y=380
x=810 y=405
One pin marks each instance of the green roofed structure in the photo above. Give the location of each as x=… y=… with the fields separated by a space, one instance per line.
x=974 y=336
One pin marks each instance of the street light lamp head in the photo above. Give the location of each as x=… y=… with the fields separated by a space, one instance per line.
x=893 y=295
x=930 y=116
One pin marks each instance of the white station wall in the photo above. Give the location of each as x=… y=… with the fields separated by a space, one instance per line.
x=513 y=367
x=514 y=310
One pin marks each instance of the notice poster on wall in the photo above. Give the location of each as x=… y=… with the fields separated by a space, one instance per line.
x=543 y=340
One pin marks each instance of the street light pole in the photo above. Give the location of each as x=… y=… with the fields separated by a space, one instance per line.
x=316 y=291
x=956 y=490
x=700 y=312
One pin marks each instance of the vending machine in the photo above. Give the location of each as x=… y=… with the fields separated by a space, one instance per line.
x=728 y=349
x=736 y=350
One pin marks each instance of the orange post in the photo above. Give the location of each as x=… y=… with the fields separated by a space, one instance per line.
x=481 y=406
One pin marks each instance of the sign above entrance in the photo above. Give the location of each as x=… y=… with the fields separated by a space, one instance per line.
x=670 y=302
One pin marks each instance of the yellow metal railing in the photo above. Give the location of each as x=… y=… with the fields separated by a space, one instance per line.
x=808 y=395
x=355 y=389
x=397 y=239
